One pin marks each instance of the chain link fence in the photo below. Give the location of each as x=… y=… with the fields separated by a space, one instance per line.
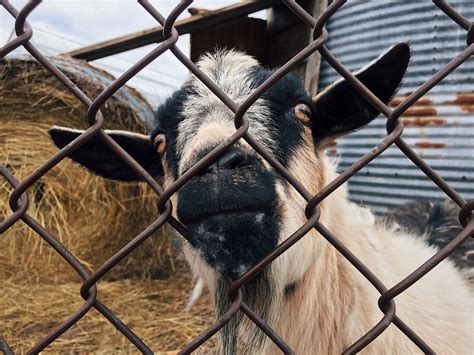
x=19 y=197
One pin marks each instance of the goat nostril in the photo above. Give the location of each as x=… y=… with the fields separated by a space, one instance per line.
x=232 y=160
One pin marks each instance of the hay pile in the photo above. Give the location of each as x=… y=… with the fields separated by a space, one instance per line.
x=91 y=216
x=153 y=309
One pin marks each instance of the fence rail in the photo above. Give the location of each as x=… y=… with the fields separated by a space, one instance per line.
x=19 y=197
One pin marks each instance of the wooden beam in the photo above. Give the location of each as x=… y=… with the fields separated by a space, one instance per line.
x=155 y=34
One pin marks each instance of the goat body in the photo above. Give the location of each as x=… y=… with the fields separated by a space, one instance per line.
x=237 y=209
x=333 y=305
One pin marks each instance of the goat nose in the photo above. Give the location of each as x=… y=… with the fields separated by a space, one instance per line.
x=234 y=158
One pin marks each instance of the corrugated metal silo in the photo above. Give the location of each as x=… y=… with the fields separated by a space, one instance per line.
x=440 y=126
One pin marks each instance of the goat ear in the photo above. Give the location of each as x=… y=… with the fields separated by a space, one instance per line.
x=341 y=109
x=101 y=160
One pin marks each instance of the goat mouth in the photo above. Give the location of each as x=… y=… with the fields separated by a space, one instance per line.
x=220 y=194
x=224 y=214
x=232 y=219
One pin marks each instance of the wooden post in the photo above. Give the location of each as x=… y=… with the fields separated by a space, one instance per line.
x=313 y=63
x=288 y=35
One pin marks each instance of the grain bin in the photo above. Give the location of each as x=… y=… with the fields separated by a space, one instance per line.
x=439 y=127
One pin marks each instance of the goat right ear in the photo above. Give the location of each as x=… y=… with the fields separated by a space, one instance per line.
x=341 y=109
x=97 y=157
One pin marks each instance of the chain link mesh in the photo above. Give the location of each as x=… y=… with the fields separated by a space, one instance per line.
x=19 y=197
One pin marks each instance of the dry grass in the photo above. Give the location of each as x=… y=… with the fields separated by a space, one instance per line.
x=91 y=216
x=153 y=309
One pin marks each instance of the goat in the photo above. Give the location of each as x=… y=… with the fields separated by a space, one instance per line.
x=239 y=209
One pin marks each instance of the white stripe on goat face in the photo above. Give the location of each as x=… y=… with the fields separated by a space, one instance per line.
x=209 y=121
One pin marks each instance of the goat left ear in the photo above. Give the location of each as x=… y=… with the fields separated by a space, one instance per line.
x=97 y=157
x=341 y=109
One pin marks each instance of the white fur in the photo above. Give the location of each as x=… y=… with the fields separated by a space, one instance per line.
x=208 y=120
x=334 y=305
x=197 y=292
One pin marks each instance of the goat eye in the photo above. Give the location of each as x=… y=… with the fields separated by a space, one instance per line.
x=302 y=112
x=160 y=143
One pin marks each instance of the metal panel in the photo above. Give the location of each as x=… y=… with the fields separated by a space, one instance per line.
x=440 y=127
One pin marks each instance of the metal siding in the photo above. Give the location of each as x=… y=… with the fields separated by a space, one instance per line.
x=439 y=127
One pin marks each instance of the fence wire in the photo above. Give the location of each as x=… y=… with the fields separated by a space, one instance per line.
x=19 y=197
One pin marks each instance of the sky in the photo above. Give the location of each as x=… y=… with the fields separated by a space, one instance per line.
x=63 y=25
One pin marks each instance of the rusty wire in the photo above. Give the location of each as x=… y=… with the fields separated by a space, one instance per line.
x=386 y=303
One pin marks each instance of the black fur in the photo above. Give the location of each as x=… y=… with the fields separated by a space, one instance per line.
x=285 y=129
x=167 y=118
x=258 y=294
x=341 y=109
x=437 y=222
x=290 y=289
x=231 y=213
x=101 y=160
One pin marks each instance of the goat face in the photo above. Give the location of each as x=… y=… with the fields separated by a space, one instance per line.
x=238 y=208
